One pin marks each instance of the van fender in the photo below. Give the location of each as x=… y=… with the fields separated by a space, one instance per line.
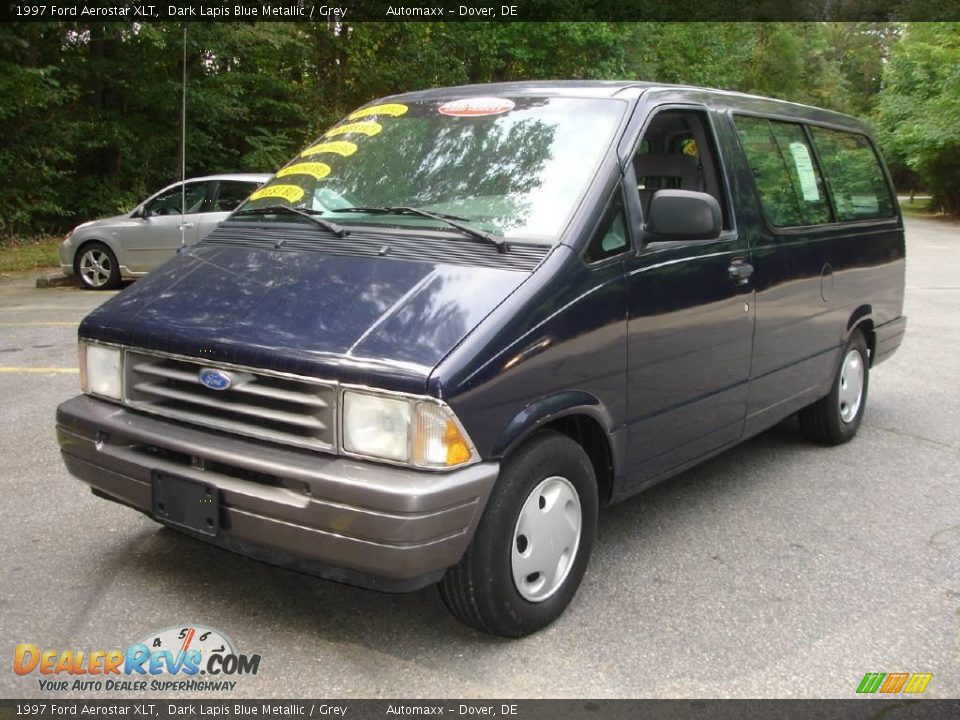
x=547 y=409
x=862 y=318
x=860 y=315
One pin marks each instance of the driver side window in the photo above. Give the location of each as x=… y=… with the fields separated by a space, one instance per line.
x=677 y=152
x=168 y=203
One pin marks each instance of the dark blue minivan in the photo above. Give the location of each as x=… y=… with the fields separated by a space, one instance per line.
x=449 y=330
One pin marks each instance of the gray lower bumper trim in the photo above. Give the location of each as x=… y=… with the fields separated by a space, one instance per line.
x=889 y=336
x=359 y=522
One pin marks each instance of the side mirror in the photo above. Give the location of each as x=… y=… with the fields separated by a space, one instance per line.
x=683 y=215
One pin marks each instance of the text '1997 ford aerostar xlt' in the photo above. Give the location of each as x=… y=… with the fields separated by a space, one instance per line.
x=463 y=319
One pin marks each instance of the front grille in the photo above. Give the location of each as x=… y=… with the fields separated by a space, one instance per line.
x=289 y=410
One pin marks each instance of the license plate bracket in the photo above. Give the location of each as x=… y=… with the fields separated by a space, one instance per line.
x=185 y=503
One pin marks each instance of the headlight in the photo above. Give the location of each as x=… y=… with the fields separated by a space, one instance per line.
x=100 y=370
x=376 y=425
x=423 y=433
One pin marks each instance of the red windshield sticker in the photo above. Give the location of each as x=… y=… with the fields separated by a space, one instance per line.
x=474 y=107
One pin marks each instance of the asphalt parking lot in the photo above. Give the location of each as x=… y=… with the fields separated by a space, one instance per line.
x=778 y=569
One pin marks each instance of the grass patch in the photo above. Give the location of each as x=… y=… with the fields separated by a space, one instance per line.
x=917 y=210
x=920 y=208
x=17 y=254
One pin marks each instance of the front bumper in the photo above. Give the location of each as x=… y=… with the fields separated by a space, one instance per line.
x=381 y=527
x=65 y=253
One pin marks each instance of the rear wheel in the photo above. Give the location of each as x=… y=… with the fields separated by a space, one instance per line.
x=835 y=419
x=533 y=544
x=96 y=267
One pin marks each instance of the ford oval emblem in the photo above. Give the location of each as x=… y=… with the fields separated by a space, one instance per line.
x=215 y=379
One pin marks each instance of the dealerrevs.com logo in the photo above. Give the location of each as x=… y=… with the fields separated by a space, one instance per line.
x=191 y=658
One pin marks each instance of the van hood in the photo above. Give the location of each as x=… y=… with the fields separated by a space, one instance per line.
x=367 y=320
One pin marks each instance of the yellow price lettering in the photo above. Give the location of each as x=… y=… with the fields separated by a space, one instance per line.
x=290 y=193
x=393 y=109
x=317 y=170
x=366 y=128
x=339 y=147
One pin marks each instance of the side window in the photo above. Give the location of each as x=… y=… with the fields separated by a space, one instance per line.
x=611 y=237
x=677 y=151
x=231 y=193
x=856 y=181
x=169 y=202
x=791 y=190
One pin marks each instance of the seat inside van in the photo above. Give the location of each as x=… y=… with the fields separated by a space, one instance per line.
x=677 y=153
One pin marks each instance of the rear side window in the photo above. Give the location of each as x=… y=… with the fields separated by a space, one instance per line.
x=856 y=181
x=791 y=189
x=232 y=193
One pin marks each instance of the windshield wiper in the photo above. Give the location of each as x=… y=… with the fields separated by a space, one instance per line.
x=310 y=215
x=451 y=220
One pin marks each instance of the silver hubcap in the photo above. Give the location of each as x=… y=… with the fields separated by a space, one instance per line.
x=95 y=267
x=851 y=386
x=546 y=539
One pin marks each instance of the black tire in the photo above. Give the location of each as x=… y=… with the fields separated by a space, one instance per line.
x=103 y=273
x=480 y=591
x=822 y=422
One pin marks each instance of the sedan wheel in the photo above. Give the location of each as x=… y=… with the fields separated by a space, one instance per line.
x=97 y=268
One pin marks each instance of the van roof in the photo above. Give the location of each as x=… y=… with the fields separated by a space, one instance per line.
x=631 y=89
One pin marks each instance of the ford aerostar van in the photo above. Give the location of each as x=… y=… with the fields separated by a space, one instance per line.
x=463 y=319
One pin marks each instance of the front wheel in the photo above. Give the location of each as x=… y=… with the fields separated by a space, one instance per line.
x=835 y=419
x=97 y=268
x=533 y=543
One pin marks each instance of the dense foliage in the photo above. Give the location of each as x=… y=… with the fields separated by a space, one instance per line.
x=90 y=113
x=919 y=108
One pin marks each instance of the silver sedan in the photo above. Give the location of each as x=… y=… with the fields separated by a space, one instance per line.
x=103 y=252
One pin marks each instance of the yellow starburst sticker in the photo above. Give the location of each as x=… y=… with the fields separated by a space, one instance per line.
x=365 y=128
x=338 y=147
x=317 y=170
x=290 y=193
x=392 y=109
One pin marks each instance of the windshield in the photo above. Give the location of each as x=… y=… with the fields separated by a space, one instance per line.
x=513 y=167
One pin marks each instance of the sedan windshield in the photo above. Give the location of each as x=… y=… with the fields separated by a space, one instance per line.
x=511 y=167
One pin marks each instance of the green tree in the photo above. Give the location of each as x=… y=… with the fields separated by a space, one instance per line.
x=919 y=108
x=35 y=156
x=698 y=53
x=90 y=112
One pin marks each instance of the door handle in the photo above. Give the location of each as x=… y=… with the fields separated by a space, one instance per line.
x=740 y=271
x=186 y=225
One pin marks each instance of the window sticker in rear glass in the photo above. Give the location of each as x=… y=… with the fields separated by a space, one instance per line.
x=475 y=107
x=805 y=171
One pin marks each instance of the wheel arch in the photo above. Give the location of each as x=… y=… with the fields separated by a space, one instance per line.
x=578 y=415
x=862 y=319
x=100 y=240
